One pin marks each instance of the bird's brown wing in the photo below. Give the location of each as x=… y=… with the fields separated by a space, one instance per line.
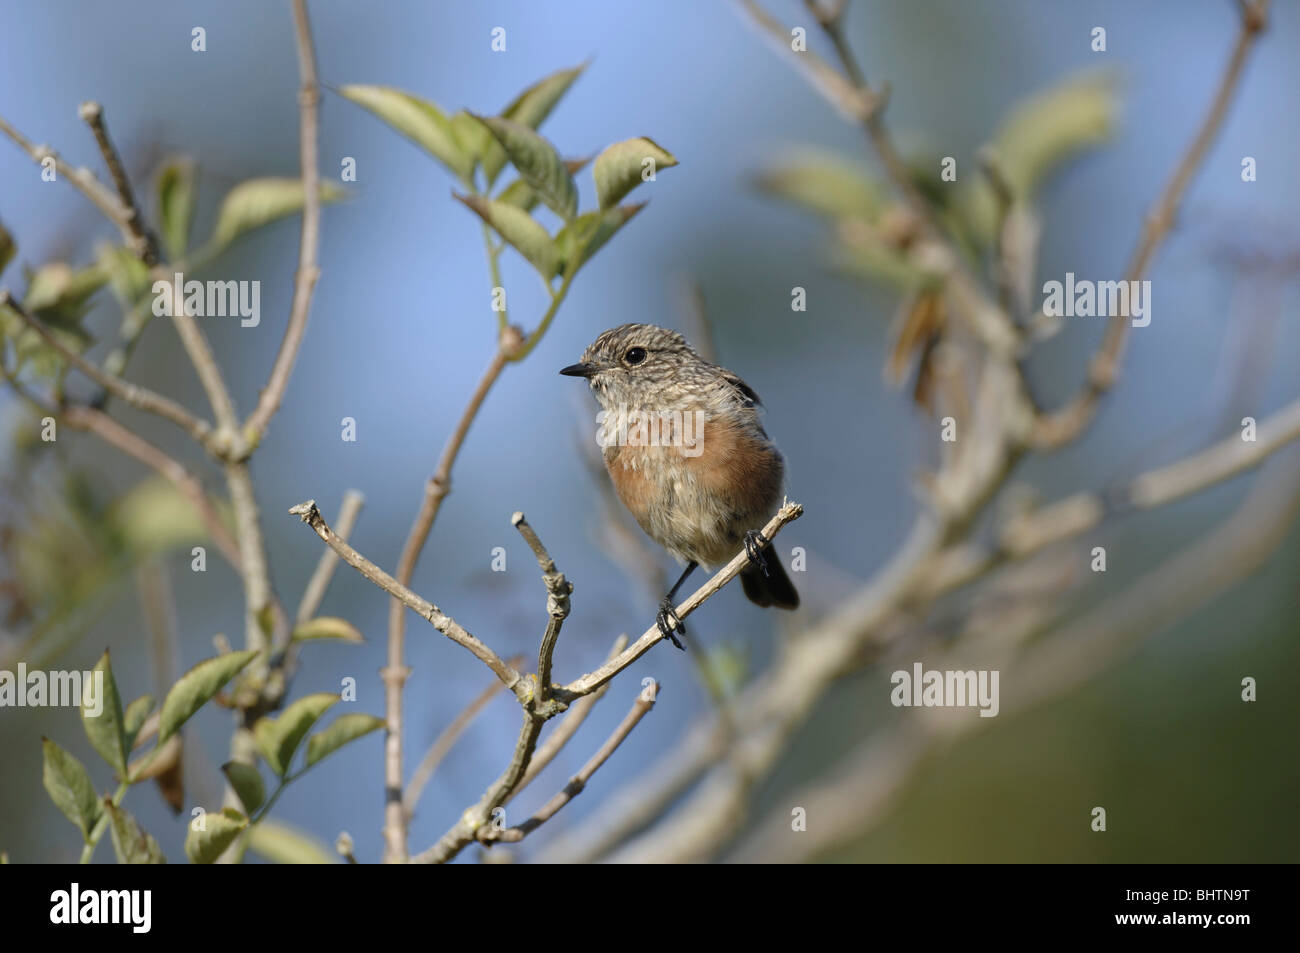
x=746 y=394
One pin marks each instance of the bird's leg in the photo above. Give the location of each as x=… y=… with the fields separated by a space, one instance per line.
x=754 y=543
x=667 y=617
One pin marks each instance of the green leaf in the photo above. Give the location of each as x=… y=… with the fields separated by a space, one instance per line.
x=176 y=205
x=1036 y=137
x=282 y=844
x=538 y=163
x=623 y=166
x=278 y=738
x=473 y=138
x=343 y=729
x=825 y=185
x=155 y=517
x=137 y=713
x=131 y=842
x=419 y=120
x=520 y=230
x=530 y=108
x=220 y=830
x=257 y=202
x=106 y=730
x=585 y=235
x=521 y=195
x=247 y=782
x=69 y=787
x=127 y=274
x=196 y=687
x=327 y=627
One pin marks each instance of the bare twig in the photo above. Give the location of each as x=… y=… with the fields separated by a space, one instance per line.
x=108 y=429
x=142 y=241
x=593 y=680
x=568 y=726
x=644 y=702
x=83 y=180
x=139 y=397
x=308 y=249
x=443 y=744
x=558 y=590
x=1062 y=426
x=444 y=623
x=316 y=587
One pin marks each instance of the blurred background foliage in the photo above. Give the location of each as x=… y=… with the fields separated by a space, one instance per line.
x=774 y=191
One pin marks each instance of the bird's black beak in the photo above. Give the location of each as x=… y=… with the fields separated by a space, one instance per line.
x=579 y=370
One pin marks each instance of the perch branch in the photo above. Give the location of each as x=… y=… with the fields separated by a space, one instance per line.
x=644 y=702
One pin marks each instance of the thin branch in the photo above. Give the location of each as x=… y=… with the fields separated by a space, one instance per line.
x=108 y=429
x=395 y=671
x=142 y=241
x=138 y=397
x=309 y=245
x=314 y=592
x=568 y=727
x=644 y=703
x=593 y=680
x=445 y=741
x=1063 y=426
x=444 y=623
x=83 y=180
x=558 y=590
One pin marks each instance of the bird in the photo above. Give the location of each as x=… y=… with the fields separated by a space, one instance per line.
x=687 y=455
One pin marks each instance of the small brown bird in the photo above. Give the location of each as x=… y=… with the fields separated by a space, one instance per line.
x=687 y=454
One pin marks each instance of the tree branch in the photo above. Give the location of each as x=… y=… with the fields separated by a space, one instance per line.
x=643 y=704
x=137 y=396
x=309 y=244
x=1060 y=427
x=558 y=590
x=444 y=623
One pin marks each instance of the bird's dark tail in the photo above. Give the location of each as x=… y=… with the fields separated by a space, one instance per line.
x=773 y=589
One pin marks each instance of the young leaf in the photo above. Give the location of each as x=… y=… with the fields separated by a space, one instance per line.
x=584 y=236
x=278 y=738
x=282 y=844
x=521 y=195
x=259 y=202
x=327 y=627
x=538 y=162
x=137 y=713
x=529 y=108
x=219 y=832
x=826 y=185
x=69 y=787
x=106 y=730
x=520 y=230
x=131 y=842
x=196 y=687
x=343 y=729
x=247 y=782
x=620 y=168
x=176 y=206
x=419 y=120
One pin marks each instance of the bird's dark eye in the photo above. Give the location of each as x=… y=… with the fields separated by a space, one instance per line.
x=634 y=356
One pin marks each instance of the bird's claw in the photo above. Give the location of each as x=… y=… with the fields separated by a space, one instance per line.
x=668 y=623
x=754 y=543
